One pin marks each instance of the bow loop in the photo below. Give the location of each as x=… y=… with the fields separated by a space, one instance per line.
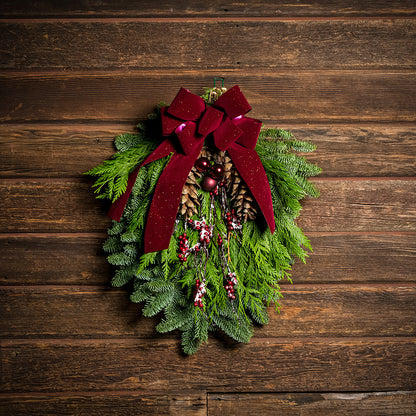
x=186 y=106
x=227 y=133
x=191 y=122
x=233 y=102
x=251 y=129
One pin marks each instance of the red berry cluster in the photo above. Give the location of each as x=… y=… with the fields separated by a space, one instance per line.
x=205 y=230
x=229 y=286
x=232 y=221
x=215 y=191
x=219 y=240
x=200 y=292
x=183 y=248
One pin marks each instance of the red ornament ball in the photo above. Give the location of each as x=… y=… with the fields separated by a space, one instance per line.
x=202 y=164
x=209 y=184
x=217 y=171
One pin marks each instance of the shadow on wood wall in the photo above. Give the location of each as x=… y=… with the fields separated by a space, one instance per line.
x=75 y=74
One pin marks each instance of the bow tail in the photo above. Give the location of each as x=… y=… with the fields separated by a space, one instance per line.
x=166 y=199
x=117 y=207
x=249 y=166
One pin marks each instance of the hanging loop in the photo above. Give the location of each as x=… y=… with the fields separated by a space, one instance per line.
x=219 y=79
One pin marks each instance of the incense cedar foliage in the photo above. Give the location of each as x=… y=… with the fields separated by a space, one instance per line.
x=260 y=260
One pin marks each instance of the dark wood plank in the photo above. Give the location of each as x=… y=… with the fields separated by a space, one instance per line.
x=217 y=8
x=361 y=205
x=78 y=260
x=344 y=205
x=318 y=44
x=307 y=311
x=115 y=404
x=53 y=259
x=290 y=404
x=276 y=97
x=55 y=151
x=361 y=151
x=359 y=258
x=68 y=151
x=51 y=206
x=313 y=404
x=154 y=366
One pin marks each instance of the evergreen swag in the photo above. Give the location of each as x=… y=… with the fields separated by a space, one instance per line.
x=226 y=281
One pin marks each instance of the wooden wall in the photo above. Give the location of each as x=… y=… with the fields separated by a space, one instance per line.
x=342 y=74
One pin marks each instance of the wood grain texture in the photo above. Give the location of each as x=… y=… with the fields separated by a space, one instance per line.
x=267 y=365
x=398 y=403
x=318 y=44
x=307 y=311
x=359 y=258
x=114 y=404
x=172 y=8
x=375 y=150
x=276 y=97
x=342 y=151
x=361 y=205
x=344 y=205
x=337 y=258
x=44 y=259
x=75 y=73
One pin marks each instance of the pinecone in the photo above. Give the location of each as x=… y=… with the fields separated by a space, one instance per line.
x=242 y=199
x=223 y=159
x=189 y=200
x=216 y=93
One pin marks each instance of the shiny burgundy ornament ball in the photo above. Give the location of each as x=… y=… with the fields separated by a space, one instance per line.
x=202 y=164
x=217 y=171
x=209 y=184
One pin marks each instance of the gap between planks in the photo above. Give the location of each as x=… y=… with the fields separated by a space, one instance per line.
x=231 y=19
x=262 y=341
x=260 y=73
x=117 y=125
x=104 y=235
x=89 y=393
x=295 y=286
x=312 y=179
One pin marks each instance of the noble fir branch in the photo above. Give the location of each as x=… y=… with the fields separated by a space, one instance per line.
x=285 y=139
x=126 y=141
x=112 y=175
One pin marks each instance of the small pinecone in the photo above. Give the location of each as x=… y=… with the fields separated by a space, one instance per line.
x=241 y=198
x=216 y=93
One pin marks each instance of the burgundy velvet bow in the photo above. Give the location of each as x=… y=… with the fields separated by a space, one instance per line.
x=189 y=121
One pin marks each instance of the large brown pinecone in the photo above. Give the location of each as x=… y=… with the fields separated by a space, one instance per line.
x=243 y=201
x=189 y=201
x=241 y=198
